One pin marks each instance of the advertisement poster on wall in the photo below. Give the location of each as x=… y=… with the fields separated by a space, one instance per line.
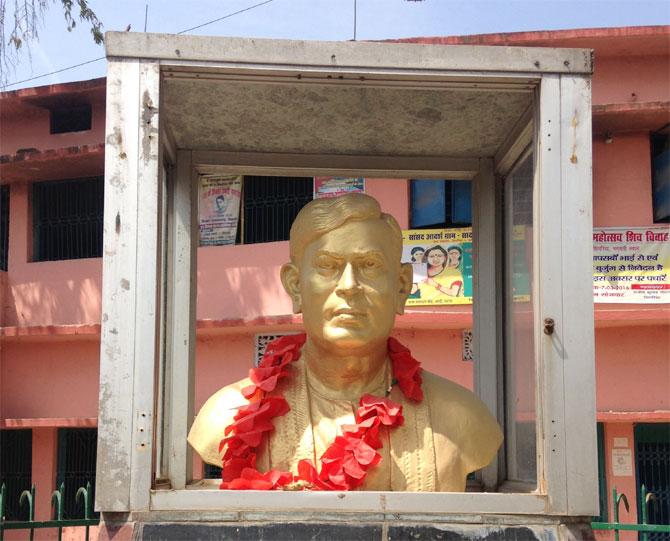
x=442 y=261
x=219 y=209
x=336 y=186
x=631 y=265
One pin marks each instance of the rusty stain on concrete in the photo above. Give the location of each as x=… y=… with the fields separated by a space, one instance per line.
x=573 y=125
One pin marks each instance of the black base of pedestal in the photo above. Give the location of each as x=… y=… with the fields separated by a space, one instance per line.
x=193 y=531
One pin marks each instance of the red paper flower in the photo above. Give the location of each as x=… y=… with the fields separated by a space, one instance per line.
x=406 y=370
x=388 y=412
x=345 y=463
x=252 y=479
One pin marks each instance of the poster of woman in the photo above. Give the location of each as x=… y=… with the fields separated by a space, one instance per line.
x=442 y=262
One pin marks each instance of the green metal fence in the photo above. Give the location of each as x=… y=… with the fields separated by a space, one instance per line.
x=27 y=498
x=646 y=499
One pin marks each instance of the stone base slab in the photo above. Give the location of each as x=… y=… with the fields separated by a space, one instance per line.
x=366 y=531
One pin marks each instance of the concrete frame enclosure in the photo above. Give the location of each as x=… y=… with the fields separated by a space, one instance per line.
x=179 y=106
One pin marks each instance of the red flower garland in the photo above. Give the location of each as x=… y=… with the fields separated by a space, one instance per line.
x=346 y=461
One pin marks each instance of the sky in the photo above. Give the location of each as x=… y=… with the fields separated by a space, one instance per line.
x=330 y=20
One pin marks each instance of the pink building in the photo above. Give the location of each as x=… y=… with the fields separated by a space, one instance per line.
x=51 y=167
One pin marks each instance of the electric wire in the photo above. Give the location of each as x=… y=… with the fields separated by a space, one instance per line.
x=102 y=57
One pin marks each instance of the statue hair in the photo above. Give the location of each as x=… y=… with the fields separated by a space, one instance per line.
x=321 y=216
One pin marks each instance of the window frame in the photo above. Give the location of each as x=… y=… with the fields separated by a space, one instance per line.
x=68 y=184
x=244 y=209
x=18 y=512
x=448 y=223
x=565 y=358
x=62 y=454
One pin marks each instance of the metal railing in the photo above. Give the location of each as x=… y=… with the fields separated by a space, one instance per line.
x=57 y=502
x=646 y=499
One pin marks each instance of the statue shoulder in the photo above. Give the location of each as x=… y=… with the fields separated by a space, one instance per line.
x=215 y=415
x=462 y=417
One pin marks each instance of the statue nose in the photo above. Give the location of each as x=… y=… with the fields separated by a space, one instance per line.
x=348 y=283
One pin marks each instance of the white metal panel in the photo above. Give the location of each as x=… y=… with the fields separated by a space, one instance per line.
x=359 y=502
x=146 y=280
x=548 y=263
x=181 y=333
x=259 y=163
x=577 y=337
x=336 y=55
x=520 y=137
x=119 y=288
x=487 y=298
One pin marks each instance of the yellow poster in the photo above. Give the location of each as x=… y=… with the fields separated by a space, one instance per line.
x=442 y=262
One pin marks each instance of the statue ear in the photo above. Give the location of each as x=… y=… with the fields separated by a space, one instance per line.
x=290 y=279
x=405 y=283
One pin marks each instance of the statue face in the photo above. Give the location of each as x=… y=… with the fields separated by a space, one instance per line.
x=351 y=286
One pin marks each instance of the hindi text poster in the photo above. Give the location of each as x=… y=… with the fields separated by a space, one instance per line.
x=219 y=209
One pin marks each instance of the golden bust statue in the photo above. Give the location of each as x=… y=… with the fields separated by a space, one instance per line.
x=346 y=278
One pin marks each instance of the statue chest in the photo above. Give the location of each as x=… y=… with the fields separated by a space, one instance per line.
x=408 y=455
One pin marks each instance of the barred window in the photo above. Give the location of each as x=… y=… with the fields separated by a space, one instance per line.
x=16 y=464
x=660 y=174
x=67 y=219
x=71 y=119
x=439 y=204
x=4 y=226
x=270 y=206
x=76 y=466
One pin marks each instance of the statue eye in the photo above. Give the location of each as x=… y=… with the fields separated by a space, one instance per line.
x=326 y=263
x=371 y=264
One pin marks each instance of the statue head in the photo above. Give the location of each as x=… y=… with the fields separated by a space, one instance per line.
x=345 y=274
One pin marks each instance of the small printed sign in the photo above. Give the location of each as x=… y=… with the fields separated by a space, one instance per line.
x=219 y=209
x=336 y=186
x=620 y=442
x=622 y=462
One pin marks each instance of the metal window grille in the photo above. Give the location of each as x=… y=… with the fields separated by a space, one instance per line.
x=660 y=174
x=4 y=226
x=261 y=341
x=270 y=206
x=72 y=119
x=16 y=464
x=76 y=466
x=652 y=443
x=67 y=219
x=467 y=345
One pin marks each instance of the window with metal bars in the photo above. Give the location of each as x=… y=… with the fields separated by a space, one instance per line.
x=4 y=226
x=602 y=475
x=71 y=119
x=652 y=460
x=76 y=466
x=660 y=174
x=270 y=206
x=67 y=219
x=16 y=464
x=440 y=204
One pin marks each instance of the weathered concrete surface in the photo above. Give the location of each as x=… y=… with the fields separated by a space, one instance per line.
x=313 y=119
